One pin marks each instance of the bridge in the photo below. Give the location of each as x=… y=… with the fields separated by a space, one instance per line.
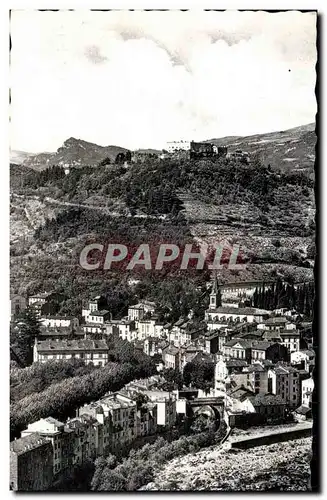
x=212 y=407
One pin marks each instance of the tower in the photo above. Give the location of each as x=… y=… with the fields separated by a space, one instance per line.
x=215 y=295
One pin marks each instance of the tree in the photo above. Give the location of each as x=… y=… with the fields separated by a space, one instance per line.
x=25 y=329
x=199 y=374
x=173 y=379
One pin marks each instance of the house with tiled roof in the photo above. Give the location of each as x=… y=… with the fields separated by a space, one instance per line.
x=91 y=351
x=274 y=351
x=31 y=463
x=285 y=382
x=60 y=438
x=267 y=405
x=254 y=377
x=236 y=314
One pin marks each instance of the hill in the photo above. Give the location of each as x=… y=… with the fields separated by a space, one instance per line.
x=268 y=213
x=73 y=153
x=19 y=157
x=292 y=149
x=274 y=468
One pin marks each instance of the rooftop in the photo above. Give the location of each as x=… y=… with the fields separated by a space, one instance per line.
x=44 y=318
x=266 y=400
x=256 y=367
x=244 y=311
x=244 y=343
x=71 y=345
x=303 y=410
x=230 y=363
x=26 y=443
x=277 y=320
x=261 y=345
x=103 y=312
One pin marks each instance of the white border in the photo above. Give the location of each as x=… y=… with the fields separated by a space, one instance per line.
x=4 y=184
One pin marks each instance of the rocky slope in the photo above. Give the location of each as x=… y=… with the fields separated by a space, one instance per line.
x=73 y=152
x=277 y=467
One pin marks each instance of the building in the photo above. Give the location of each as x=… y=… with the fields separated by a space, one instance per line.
x=173 y=146
x=166 y=411
x=215 y=296
x=266 y=405
x=91 y=351
x=284 y=381
x=44 y=303
x=305 y=358
x=224 y=369
x=238 y=348
x=261 y=350
x=117 y=415
x=233 y=314
x=140 y=310
x=18 y=304
x=240 y=155
x=39 y=298
x=243 y=289
x=276 y=323
x=185 y=332
x=60 y=322
x=212 y=342
x=254 y=377
x=62 y=333
x=291 y=339
x=306 y=392
x=95 y=330
x=147 y=419
x=95 y=304
x=152 y=346
x=98 y=317
x=124 y=327
x=31 y=463
x=200 y=150
x=270 y=335
x=145 y=328
x=85 y=438
x=60 y=439
x=136 y=312
x=171 y=357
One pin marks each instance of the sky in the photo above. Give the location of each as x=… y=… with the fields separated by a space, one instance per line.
x=138 y=79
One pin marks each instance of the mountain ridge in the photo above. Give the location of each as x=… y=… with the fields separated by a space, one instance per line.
x=287 y=149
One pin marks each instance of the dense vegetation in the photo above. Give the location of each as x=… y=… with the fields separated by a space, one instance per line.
x=150 y=189
x=23 y=330
x=282 y=295
x=199 y=374
x=39 y=376
x=138 y=468
x=153 y=185
x=61 y=399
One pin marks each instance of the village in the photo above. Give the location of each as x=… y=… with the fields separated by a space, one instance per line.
x=263 y=362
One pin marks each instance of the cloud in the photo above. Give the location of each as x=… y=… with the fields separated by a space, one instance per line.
x=139 y=79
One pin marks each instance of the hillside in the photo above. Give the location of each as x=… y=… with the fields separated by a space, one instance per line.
x=19 y=157
x=274 y=468
x=73 y=152
x=292 y=149
x=269 y=214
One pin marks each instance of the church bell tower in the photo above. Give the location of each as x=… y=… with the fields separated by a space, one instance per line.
x=215 y=295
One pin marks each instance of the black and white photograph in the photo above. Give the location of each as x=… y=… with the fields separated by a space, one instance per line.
x=163 y=250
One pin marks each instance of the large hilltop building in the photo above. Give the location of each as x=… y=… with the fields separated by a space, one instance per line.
x=173 y=146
